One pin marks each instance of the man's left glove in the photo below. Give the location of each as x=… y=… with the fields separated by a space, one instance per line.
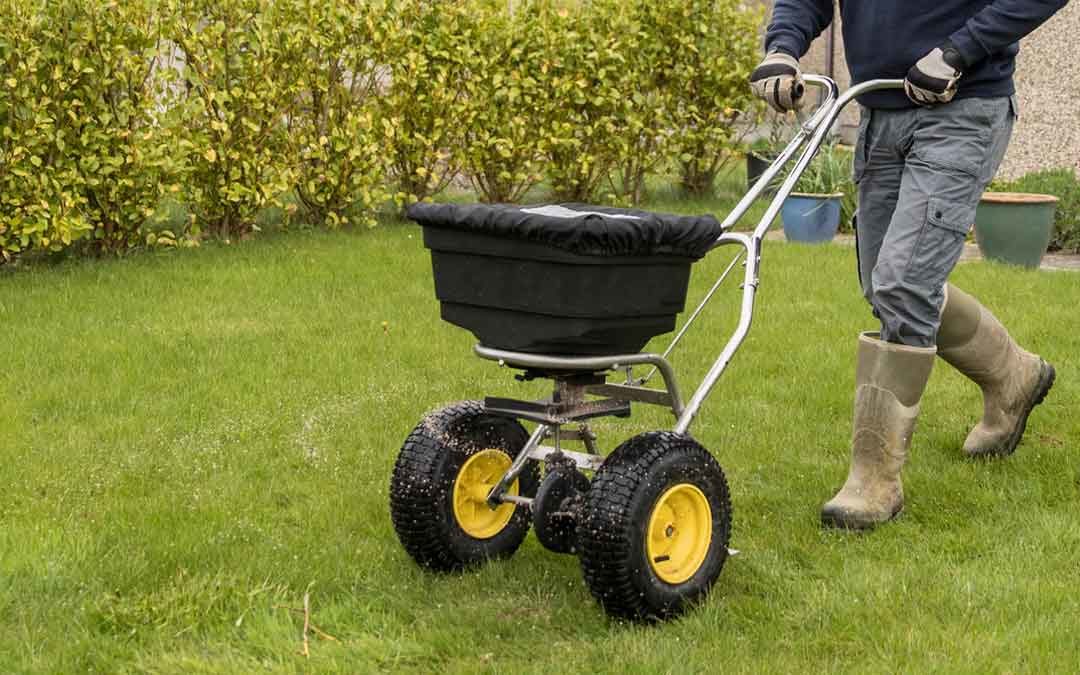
x=934 y=78
x=778 y=81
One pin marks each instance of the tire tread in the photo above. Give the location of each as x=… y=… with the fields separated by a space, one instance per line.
x=606 y=535
x=422 y=527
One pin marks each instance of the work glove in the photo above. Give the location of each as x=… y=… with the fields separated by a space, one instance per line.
x=778 y=82
x=934 y=78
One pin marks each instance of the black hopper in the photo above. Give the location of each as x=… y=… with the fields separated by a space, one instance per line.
x=562 y=279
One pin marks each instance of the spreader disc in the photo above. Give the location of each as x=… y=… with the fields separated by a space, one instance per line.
x=556 y=507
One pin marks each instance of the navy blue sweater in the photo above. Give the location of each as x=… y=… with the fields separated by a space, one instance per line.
x=884 y=38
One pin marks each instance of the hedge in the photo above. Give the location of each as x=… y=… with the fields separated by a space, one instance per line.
x=327 y=108
x=503 y=111
x=85 y=151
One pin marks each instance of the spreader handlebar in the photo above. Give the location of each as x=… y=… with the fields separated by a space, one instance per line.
x=812 y=134
x=817 y=129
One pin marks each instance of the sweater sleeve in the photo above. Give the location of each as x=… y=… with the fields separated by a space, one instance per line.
x=795 y=24
x=1000 y=24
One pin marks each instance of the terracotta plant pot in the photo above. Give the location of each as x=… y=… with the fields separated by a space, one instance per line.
x=811 y=218
x=1015 y=227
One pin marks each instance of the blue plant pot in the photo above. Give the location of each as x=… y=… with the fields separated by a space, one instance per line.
x=811 y=219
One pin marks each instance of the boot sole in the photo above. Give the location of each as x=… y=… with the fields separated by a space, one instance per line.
x=1047 y=377
x=852 y=523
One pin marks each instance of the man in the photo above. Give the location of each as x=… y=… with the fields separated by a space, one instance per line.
x=923 y=158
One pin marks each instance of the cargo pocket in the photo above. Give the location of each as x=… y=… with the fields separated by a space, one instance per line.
x=940 y=243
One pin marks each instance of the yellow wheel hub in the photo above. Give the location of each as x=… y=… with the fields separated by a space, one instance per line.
x=679 y=534
x=472 y=486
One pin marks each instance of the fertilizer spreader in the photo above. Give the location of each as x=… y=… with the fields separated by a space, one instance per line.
x=571 y=293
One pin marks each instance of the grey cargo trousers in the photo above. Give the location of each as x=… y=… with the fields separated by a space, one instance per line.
x=920 y=173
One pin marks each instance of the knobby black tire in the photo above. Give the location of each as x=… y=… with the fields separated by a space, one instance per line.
x=421 y=488
x=612 y=535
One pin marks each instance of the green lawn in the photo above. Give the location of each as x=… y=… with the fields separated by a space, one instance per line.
x=193 y=440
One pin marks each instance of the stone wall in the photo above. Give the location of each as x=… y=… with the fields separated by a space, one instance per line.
x=1047 y=135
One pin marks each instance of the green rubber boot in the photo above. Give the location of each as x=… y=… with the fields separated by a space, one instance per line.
x=1013 y=381
x=889 y=381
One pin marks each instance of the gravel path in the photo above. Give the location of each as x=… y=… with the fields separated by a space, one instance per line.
x=1051 y=261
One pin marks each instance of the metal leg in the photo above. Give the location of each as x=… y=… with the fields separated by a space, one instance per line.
x=496 y=496
x=750 y=284
x=588 y=438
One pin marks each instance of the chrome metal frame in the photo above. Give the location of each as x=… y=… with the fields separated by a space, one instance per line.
x=812 y=134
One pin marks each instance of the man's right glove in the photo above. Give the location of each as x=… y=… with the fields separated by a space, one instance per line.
x=778 y=81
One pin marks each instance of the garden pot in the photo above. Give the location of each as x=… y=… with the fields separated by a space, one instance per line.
x=756 y=164
x=811 y=218
x=1015 y=227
